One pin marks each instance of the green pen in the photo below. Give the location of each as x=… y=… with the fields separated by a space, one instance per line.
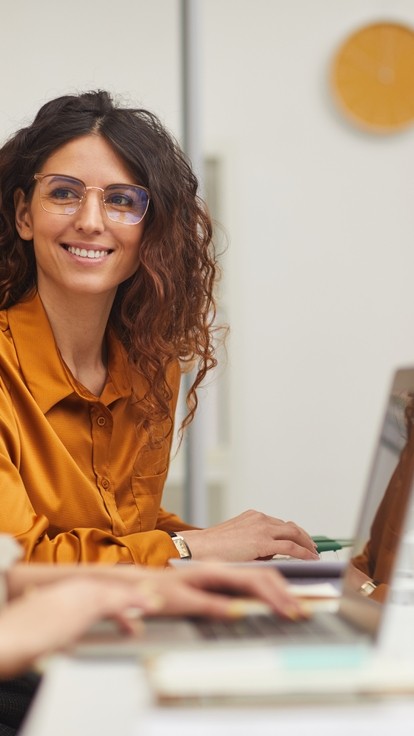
x=326 y=544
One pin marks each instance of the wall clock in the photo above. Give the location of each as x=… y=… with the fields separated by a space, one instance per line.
x=373 y=77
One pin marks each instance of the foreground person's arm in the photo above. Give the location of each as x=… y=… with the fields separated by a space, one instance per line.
x=50 y=618
x=62 y=602
x=202 y=588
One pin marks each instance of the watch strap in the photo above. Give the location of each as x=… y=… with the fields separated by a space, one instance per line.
x=181 y=546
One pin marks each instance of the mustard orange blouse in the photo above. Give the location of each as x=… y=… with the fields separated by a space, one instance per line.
x=79 y=480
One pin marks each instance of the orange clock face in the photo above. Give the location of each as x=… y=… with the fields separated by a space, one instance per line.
x=373 y=76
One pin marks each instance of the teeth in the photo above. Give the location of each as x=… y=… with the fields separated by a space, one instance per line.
x=83 y=253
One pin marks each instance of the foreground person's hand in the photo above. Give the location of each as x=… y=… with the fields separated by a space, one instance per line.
x=219 y=590
x=55 y=614
x=51 y=617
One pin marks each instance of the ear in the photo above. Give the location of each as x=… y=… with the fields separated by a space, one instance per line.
x=24 y=225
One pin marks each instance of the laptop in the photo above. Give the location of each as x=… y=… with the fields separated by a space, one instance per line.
x=263 y=656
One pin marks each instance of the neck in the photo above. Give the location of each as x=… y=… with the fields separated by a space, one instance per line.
x=79 y=326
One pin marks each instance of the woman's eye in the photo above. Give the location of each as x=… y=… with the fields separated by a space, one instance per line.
x=119 y=200
x=63 y=194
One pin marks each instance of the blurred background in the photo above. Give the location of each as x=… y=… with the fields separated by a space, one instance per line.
x=316 y=218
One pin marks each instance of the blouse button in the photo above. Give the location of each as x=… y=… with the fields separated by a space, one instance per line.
x=101 y=421
x=105 y=483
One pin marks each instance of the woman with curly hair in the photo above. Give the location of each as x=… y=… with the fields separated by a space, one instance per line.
x=107 y=269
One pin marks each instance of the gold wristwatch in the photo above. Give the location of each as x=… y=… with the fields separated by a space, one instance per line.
x=181 y=546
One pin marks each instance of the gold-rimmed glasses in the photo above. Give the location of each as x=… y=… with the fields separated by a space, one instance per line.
x=64 y=195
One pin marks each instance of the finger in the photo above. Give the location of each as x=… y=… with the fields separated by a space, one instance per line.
x=125 y=622
x=310 y=543
x=218 y=605
x=291 y=549
x=290 y=531
x=268 y=586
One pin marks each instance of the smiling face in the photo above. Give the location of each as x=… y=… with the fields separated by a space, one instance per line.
x=85 y=252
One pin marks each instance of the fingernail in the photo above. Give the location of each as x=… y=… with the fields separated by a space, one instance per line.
x=240 y=608
x=294 y=613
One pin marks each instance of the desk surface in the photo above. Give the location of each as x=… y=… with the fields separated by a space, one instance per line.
x=111 y=697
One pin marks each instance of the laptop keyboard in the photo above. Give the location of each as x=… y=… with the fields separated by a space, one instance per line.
x=265 y=627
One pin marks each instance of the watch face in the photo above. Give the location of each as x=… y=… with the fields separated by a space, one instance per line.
x=182 y=547
x=373 y=77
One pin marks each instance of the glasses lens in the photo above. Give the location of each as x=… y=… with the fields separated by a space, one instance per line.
x=61 y=194
x=126 y=204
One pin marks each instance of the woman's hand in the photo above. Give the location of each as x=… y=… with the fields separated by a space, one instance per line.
x=250 y=536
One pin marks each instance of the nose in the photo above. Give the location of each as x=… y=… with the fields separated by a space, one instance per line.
x=90 y=217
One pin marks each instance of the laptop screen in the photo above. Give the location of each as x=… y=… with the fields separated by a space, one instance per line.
x=387 y=509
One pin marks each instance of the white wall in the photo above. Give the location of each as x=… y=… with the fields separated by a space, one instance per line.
x=319 y=219
x=320 y=264
x=48 y=49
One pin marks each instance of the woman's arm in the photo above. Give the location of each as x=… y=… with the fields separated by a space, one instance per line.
x=250 y=536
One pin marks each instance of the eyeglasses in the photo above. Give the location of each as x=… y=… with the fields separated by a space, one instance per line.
x=64 y=195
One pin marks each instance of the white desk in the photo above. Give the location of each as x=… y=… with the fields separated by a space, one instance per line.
x=111 y=698
x=84 y=698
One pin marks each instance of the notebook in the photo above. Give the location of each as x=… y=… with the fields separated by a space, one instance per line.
x=264 y=656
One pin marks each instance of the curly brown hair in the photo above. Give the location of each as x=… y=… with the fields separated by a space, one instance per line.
x=166 y=310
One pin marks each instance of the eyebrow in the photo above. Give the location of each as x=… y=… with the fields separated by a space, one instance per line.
x=68 y=177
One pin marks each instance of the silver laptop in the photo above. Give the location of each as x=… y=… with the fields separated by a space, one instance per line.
x=345 y=636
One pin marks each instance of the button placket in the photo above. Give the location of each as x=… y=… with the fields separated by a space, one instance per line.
x=101 y=425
